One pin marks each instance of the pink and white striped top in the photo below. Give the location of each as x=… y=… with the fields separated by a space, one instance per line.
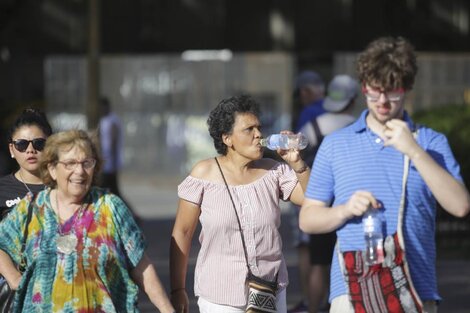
x=221 y=267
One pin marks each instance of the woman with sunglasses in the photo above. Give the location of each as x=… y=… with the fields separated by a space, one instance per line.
x=84 y=251
x=27 y=137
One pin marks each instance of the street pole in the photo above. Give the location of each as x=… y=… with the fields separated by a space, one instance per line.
x=93 y=58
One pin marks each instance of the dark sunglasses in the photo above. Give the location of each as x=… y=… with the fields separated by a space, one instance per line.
x=22 y=144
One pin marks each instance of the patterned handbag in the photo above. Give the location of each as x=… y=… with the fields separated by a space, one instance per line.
x=386 y=287
x=7 y=295
x=261 y=292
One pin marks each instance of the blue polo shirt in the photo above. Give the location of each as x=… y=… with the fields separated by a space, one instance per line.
x=354 y=158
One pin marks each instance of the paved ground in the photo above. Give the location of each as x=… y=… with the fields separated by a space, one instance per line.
x=156 y=203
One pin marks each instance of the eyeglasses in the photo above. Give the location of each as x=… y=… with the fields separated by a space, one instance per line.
x=22 y=144
x=71 y=165
x=374 y=94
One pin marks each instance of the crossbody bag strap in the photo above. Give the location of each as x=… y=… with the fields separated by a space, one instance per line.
x=401 y=210
x=236 y=213
x=401 y=213
x=22 y=264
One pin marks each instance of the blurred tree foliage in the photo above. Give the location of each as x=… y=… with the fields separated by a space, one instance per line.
x=454 y=122
x=453 y=235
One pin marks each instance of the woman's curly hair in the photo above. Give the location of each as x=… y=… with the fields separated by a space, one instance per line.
x=222 y=118
x=389 y=63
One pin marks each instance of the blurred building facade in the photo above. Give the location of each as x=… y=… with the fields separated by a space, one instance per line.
x=164 y=100
x=311 y=30
x=141 y=42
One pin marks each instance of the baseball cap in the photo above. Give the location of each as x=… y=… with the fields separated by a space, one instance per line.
x=341 y=90
x=308 y=78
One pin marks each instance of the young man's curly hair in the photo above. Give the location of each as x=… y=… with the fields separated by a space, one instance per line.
x=222 y=118
x=389 y=63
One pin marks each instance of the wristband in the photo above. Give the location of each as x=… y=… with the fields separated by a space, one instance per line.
x=302 y=169
x=176 y=290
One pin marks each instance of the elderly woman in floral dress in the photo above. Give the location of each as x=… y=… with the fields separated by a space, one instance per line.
x=84 y=251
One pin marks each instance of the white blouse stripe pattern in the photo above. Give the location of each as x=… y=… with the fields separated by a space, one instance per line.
x=221 y=268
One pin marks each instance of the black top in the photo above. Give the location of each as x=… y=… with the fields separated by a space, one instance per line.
x=12 y=191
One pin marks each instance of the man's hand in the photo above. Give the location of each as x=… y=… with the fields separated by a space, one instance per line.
x=358 y=204
x=400 y=137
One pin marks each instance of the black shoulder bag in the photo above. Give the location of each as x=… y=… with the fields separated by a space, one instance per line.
x=261 y=292
x=7 y=295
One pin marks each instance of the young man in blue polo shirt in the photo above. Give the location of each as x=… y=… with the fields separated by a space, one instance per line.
x=361 y=166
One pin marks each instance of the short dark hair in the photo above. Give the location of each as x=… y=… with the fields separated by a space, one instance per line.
x=222 y=118
x=389 y=63
x=31 y=117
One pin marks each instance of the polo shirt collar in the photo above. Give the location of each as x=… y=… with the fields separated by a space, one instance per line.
x=361 y=125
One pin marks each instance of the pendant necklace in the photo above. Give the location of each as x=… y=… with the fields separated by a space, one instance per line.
x=67 y=242
x=22 y=180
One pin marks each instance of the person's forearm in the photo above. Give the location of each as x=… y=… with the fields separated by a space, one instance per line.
x=146 y=277
x=180 y=245
x=303 y=174
x=9 y=270
x=314 y=219
x=179 y=255
x=450 y=193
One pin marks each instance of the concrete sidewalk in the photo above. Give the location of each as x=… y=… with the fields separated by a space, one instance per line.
x=156 y=204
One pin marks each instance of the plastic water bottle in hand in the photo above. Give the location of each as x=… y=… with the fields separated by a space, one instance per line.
x=285 y=141
x=372 y=222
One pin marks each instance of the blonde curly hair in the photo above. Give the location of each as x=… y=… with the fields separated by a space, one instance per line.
x=65 y=141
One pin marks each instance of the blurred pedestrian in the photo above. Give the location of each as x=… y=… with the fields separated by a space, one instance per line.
x=111 y=137
x=111 y=140
x=385 y=162
x=237 y=181
x=309 y=94
x=338 y=104
x=27 y=138
x=84 y=251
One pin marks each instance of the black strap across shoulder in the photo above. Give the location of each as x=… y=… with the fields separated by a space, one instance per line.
x=236 y=213
x=250 y=274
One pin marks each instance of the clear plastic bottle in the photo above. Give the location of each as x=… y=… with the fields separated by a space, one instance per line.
x=372 y=222
x=285 y=141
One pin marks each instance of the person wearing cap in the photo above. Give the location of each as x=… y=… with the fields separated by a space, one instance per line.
x=308 y=100
x=364 y=166
x=309 y=91
x=338 y=104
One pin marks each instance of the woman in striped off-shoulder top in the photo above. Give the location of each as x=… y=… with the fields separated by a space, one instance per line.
x=256 y=185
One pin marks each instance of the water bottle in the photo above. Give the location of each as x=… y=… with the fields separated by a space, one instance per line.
x=285 y=141
x=373 y=235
